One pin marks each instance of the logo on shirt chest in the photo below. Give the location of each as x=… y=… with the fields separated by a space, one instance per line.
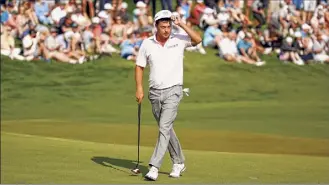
x=172 y=46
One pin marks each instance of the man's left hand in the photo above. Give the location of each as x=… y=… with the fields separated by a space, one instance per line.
x=176 y=20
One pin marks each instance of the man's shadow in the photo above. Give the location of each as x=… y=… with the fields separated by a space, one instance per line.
x=114 y=163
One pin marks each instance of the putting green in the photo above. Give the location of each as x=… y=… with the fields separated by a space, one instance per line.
x=38 y=159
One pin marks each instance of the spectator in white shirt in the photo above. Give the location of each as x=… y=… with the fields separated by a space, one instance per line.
x=8 y=44
x=319 y=45
x=58 y=13
x=229 y=51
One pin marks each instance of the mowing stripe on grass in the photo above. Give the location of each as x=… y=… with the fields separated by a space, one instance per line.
x=36 y=159
x=192 y=139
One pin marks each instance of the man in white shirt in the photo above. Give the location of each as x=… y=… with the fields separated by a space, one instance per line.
x=164 y=53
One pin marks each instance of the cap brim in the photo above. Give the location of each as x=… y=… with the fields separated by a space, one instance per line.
x=162 y=18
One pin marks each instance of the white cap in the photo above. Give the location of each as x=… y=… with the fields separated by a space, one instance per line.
x=320 y=7
x=208 y=10
x=108 y=6
x=74 y=18
x=124 y=5
x=298 y=34
x=223 y=9
x=162 y=15
x=289 y=39
x=140 y=4
x=69 y=9
x=103 y=14
x=27 y=41
x=137 y=12
x=95 y=20
x=68 y=35
x=306 y=26
x=199 y=1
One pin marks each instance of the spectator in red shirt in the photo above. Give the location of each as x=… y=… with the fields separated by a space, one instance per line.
x=196 y=13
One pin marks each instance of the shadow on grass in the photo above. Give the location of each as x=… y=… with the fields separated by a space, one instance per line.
x=117 y=164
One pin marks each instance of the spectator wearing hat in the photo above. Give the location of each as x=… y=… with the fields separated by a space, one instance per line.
x=319 y=49
x=289 y=52
x=103 y=21
x=123 y=13
x=247 y=49
x=102 y=40
x=140 y=15
x=212 y=36
x=108 y=8
x=302 y=46
x=207 y=18
x=71 y=40
x=79 y=18
x=224 y=18
x=306 y=30
x=229 y=52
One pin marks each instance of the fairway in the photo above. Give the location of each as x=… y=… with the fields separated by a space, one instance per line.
x=65 y=123
x=51 y=160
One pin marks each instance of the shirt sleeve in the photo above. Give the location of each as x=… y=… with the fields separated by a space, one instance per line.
x=141 y=59
x=185 y=39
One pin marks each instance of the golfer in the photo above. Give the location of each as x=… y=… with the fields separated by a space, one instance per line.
x=164 y=53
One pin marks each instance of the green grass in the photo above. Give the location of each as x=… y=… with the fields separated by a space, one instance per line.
x=51 y=160
x=241 y=123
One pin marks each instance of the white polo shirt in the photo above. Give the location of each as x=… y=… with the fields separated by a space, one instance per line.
x=166 y=62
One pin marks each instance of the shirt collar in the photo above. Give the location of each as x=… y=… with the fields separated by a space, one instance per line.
x=155 y=40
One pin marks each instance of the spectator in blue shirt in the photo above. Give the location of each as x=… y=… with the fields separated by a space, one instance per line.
x=129 y=48
x=42 y=12
x=246 y=49
x=212 y=35
x=4 y=14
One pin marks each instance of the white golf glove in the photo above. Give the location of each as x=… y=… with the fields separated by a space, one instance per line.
x=186 y=91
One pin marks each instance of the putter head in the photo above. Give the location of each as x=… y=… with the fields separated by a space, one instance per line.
x=135 y=171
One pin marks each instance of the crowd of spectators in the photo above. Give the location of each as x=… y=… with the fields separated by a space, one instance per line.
x=295 y=31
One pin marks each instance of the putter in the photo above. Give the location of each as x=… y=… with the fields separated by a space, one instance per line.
x=136 y=170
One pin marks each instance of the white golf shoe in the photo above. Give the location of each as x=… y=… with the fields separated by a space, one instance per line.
x=177 y=170
x=152 y=174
